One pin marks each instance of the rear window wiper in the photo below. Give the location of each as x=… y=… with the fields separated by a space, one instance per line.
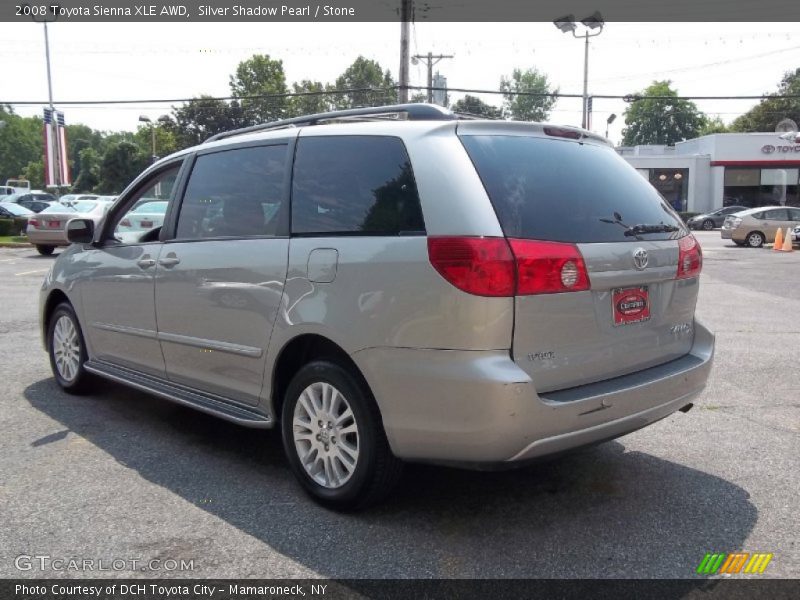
x=642 y=228
x=637 y=230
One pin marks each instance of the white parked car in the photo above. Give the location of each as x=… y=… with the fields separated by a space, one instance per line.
x=46 y=229
x=145 y=217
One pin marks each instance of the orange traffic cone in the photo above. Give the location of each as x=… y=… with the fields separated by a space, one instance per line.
x=787 y=241
x=778 y=245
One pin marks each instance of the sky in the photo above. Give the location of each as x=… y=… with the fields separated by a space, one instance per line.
x=128 y=61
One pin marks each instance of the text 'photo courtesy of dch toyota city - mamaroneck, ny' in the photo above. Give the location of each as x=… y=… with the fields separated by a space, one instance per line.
x=399 y=299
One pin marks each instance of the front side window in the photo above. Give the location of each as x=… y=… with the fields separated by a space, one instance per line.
x=234 y=193
x=158 y=189
x=354 y=185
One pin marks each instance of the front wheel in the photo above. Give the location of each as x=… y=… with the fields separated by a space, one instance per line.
x=708 y=225
x=334 y=439
x=67 y=350
x=45 y=250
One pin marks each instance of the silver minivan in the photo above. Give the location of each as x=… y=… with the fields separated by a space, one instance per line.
x=388 y=285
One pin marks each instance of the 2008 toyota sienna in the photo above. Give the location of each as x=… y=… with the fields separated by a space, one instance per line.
x=392 y=284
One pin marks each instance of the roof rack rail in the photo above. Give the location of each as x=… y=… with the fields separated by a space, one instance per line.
x=412 y=112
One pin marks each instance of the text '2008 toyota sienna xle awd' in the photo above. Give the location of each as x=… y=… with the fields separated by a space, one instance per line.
x=389 y=285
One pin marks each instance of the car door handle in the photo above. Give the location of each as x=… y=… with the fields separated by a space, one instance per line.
x=146 y=262
x=169 y=261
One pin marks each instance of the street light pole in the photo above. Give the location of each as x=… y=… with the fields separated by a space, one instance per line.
x=567 y=24
x=146 y=119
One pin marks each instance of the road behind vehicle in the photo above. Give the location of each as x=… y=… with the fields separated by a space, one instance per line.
x=428 y=289
x=47 y=229
x=755 y=227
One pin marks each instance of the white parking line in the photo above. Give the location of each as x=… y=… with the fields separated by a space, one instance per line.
x=31 y=272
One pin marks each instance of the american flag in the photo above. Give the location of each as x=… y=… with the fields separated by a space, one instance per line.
x=55 y=148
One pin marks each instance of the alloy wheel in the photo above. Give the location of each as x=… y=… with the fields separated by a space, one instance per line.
x=66 y=348
x=326 y=435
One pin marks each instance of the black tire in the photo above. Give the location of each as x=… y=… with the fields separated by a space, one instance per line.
x=81 y=381
x=376 y=469
x=755 y=239
x=708 y=225
x=45 y=250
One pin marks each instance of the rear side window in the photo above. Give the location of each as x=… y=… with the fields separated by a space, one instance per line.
x=778 y=214
x=234 y=193
x=555 y=190
x=354 y=185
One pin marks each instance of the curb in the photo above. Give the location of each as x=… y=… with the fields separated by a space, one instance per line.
x=15 y=245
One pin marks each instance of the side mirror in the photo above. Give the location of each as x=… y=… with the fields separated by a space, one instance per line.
x=80 y=231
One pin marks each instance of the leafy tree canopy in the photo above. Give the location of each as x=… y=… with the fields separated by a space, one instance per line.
x=475 y=106
x=665 y=120
x=765 y=115
x=527 y=108
x=365 y=73
x=260 y=75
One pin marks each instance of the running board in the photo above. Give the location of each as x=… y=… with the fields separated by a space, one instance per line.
x=207 y=403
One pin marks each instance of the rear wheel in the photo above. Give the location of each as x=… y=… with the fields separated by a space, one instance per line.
x=755 y=239
x=45 y=250
x=708 y=224
x=67 y=350
x=334 y=439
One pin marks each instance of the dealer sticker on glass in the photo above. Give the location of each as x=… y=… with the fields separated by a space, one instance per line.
x=630 y=305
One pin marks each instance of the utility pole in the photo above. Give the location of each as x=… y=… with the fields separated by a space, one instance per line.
x=405 y=22
x=431 y=59
x=54 y=123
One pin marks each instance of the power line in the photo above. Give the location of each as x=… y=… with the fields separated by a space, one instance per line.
x=334 y=92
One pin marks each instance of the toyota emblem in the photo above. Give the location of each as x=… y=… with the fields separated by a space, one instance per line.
x=768 y=149
x=640 y=258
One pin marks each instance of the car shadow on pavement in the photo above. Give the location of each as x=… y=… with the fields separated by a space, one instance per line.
x=601 y=512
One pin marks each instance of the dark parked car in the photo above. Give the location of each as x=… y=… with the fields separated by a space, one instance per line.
x=18 y=213
x=712 y=220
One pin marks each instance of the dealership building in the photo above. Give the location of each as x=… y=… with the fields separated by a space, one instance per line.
x=723 y=169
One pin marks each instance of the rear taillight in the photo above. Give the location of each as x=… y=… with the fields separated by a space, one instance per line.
x=548 y=267
x=487 y=266
x=483 y=266
x=125 y=223
x=690 y=257
x=33 y=222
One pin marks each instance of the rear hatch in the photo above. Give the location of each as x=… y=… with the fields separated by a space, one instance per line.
x=599 y=293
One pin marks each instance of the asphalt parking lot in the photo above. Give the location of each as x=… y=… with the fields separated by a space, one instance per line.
x=121 y=475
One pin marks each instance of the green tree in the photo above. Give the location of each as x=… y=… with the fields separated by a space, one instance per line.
x=121 y=163
x=365 y=74
x=765 y=115
x=316 y=102
x=527 y=108
x=714 y=125
x=80 y=136
x=471 y=105
x=88 y=177
x=202 y=117
x=20 y=143
x=34 y=172
x=663 y=120
x=165 y=139
x=258 y=76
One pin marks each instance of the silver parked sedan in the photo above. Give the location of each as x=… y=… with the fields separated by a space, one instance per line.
x=47 y=229
x=472 y=293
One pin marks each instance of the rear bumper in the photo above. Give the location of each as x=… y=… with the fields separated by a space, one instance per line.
x=50 y=238
x=479 y=408
x=726 y=234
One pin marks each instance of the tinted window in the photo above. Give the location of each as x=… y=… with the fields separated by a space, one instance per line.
x=354 y=185
x=778 y=214
x=563 y=191
x=794 y=214
x=234 y=193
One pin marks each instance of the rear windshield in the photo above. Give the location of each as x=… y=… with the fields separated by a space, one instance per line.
x=563 y=191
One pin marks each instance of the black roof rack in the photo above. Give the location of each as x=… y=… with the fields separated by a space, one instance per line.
x=411 y=112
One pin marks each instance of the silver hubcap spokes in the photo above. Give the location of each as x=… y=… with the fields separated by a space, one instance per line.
x=325 y=435
x=755 y=240
x=66 y=348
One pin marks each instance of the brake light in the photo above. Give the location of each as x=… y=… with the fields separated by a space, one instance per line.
x=125 y=223
x=563 y=132
x=483 y=266
x=487 y=266
x=690 y=257
x=33 y=222
x=548 y=267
